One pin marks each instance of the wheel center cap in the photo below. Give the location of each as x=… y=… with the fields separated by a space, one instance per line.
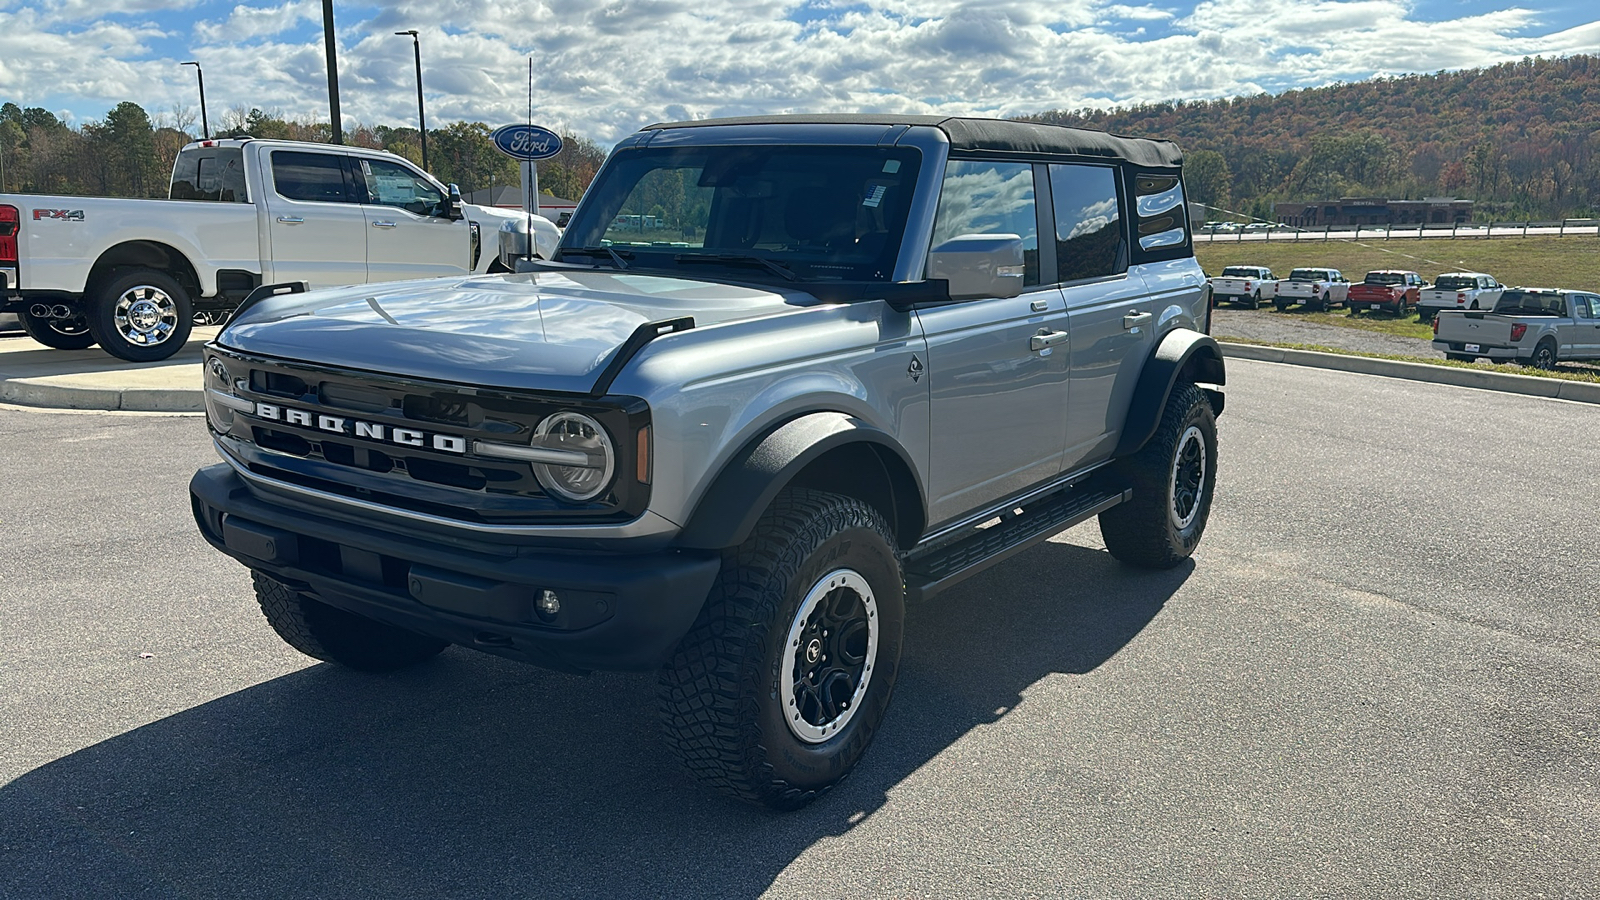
x=144 y=316
x=813 y=651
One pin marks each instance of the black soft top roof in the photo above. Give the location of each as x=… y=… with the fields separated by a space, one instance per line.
x=995 y=135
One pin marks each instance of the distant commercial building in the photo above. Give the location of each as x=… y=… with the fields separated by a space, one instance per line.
x=510 y=197
x=1375 y=211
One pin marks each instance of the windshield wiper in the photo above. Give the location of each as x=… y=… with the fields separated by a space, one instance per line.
x=739 y=259
x=616 y=258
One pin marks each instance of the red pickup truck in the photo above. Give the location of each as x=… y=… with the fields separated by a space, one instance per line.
x=1391 y=289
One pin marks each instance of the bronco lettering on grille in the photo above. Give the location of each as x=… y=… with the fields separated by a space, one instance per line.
x=375 y=431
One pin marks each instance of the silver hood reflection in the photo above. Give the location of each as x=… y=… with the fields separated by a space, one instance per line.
x=538 y=331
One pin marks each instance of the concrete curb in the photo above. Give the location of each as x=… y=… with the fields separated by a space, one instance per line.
x=44 y=392
x=1533 y=386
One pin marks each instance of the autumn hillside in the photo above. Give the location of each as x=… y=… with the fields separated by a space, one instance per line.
x=1521 y=139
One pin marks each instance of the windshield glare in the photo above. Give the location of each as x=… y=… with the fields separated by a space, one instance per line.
x=826 y=213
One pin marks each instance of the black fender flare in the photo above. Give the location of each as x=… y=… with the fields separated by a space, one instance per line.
x=1183 y=354
x=746 y=486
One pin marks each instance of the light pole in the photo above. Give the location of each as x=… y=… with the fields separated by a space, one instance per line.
x=422 y=121
x=333 y=71
x=205 y=127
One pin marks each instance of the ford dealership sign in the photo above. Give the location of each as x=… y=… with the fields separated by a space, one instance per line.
x=526 y=142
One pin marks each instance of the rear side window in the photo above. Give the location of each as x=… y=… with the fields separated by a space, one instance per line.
x=210 y=173
x=1161 y=216
x=1091 y=241
x=312 y=177
x=990 y=198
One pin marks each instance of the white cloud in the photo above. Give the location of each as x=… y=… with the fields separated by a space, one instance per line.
x=605 y=67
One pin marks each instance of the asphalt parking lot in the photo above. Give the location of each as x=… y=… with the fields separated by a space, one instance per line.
x=1380 y=676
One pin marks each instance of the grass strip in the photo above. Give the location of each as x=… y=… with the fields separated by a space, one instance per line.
x=1504 y=368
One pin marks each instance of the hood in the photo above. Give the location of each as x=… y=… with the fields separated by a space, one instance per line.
x=534 y=331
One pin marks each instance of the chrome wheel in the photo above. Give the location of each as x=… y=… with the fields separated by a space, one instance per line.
x=145 y=316
x=828 y=656
x=1188 y=478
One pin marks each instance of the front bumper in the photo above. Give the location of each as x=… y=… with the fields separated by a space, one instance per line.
x=623 y=611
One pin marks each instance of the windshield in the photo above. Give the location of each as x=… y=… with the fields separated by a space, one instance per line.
x=1240 y=272
x=1308 y=275
x=812 y=213
x=1456 y=283
x=1385 y=278
x=1531 y=303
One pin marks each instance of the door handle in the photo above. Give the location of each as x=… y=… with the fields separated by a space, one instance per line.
x=1135 y=319
x=1046 y=338
x=291 y=220
x=382 y=224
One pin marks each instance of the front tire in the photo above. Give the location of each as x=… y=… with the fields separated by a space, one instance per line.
x=780 y=685
x=58 y=334
x=332 y=635
x=1173 y=478
x=142 y=316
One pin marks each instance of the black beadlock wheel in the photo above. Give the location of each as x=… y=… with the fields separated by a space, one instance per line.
x=1173 y=478
x=783 y=680
x=332 y=635
x=141 y=315
x=59 y=334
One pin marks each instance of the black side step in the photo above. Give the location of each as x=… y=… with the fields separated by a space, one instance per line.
x=937 y=568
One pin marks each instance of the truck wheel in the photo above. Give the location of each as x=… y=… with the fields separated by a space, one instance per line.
x=330 y=634
x=781 y=683
x=1255 y=300
x=1324 y=304
x=142 y=315
x=1544 y=355
x=61 y=334
x=1173 y=478
x=1461 y=357
x=1282 y=305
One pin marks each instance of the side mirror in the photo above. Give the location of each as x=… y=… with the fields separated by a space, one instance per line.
x=453 y=206
x=979 y=265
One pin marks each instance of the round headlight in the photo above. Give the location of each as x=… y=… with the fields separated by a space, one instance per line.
x=576 y=432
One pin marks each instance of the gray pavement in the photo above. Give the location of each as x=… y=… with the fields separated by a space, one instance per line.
x=34 y=375
x=1379 y=677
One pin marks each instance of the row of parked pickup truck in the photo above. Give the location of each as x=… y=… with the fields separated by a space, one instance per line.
x=1474 y=316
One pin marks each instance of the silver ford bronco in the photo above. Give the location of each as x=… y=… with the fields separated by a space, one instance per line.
x=784 y=378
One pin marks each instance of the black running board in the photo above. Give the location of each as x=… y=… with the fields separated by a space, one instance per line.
x=938 y=568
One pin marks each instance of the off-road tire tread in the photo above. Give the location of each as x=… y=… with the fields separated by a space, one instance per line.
x=332 y=635
x=707 y=691
x=1130 y=529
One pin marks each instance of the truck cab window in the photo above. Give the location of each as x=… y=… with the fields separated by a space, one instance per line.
x=312 y=177
x=210 y=173
x=391 y=184
x=990 y=198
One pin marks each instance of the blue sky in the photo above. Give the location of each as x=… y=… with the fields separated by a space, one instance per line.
x=604 y=67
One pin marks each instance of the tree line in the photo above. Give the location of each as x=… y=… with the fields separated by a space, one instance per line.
x=1521 y=140
x=130 y=154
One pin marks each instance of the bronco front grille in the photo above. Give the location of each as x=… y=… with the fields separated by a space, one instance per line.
x=440 y=476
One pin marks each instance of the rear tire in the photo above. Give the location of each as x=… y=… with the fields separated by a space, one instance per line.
x=332 y=635
x=141 y=315
x=1282 y=305
x=1255 y=300
x=780 y=685
x=1461 y=357
x=59 y=334
x=1544 y=355
x=1173 y=478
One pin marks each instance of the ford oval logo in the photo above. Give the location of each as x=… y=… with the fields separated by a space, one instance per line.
x=526 y=142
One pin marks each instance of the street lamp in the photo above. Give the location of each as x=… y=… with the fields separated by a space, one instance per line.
x=205 y=127
x=422 y=121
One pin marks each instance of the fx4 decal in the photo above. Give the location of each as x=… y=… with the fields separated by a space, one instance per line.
x=70 y=215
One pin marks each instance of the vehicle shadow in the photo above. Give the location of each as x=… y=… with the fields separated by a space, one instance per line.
x=472 y=776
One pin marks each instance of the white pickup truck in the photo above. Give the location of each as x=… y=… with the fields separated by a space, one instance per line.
x=1529 y=326
x=1318 y=289
x=1459 y=290
x=133 y=275
x=1249 y=285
